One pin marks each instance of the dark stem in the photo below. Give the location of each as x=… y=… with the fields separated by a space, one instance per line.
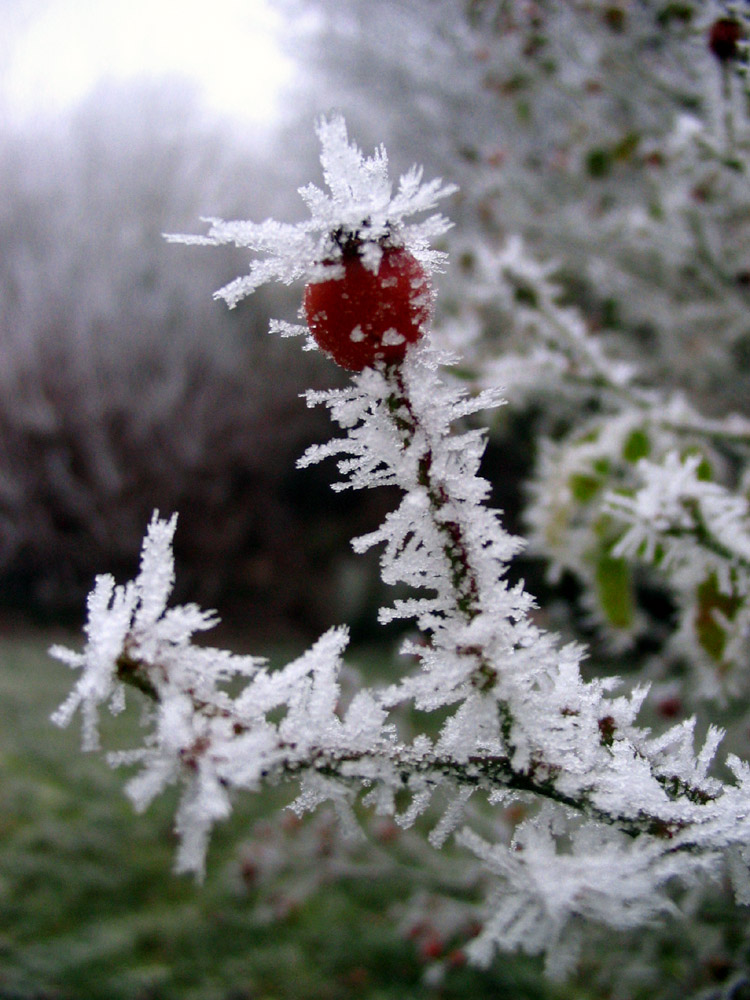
x=455 y=548
x=488 y=772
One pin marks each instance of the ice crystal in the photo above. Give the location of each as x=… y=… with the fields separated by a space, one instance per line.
x=360 y=203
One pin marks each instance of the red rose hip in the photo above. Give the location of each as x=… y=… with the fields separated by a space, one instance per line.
x=361 y=318
x=724 y=38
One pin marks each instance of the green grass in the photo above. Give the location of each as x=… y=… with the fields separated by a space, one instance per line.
x=90 y=909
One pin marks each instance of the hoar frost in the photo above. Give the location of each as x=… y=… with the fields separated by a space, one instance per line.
x=613 y=816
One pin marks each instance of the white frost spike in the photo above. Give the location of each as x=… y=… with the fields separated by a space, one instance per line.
x=422 y=796
x=364 y=721
x=204 y=803
x=285 y=329
x=110 y=612
x=309 y=686
x=156 y=578
x=453 y=815
x=604 y=877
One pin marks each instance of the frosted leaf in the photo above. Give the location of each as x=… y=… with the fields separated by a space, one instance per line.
x=689 y=520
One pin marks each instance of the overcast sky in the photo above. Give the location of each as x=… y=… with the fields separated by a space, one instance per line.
x=55 y=51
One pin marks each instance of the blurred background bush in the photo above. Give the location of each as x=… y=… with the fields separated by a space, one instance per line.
x=126 y=388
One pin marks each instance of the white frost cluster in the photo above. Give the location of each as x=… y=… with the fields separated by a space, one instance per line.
x=603 y=795
x=649 y=489
x=361 y=202
x=638 y=487
x=671 y=503
x=199 y=735
x=547 y=346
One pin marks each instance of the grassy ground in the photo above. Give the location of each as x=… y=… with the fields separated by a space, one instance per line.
x=89 y=908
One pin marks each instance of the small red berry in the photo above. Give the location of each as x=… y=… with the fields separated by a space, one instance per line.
x=362 y=317
x=723 y=38
x=456 y=958
x=431 y=948
x=669 y=706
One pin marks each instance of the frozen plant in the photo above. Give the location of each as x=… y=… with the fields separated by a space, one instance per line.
x=611 y=819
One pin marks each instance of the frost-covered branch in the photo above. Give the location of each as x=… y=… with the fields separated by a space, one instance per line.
x=520 y=723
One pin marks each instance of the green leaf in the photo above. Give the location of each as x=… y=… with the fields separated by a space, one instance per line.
x=637 y=446
x=584 y=487
x=614 y=591
x=711 y=635
x=599 y=163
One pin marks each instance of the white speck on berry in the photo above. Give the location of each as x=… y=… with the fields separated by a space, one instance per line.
x=392 y=337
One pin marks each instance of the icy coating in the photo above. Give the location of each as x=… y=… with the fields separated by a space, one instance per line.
x=361 y=202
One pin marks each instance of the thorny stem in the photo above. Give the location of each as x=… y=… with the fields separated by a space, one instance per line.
x=455 y=547
x=136 y=673
x=539 y=778
x=489 y=772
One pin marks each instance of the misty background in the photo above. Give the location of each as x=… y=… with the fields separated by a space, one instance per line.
x=125 y=387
